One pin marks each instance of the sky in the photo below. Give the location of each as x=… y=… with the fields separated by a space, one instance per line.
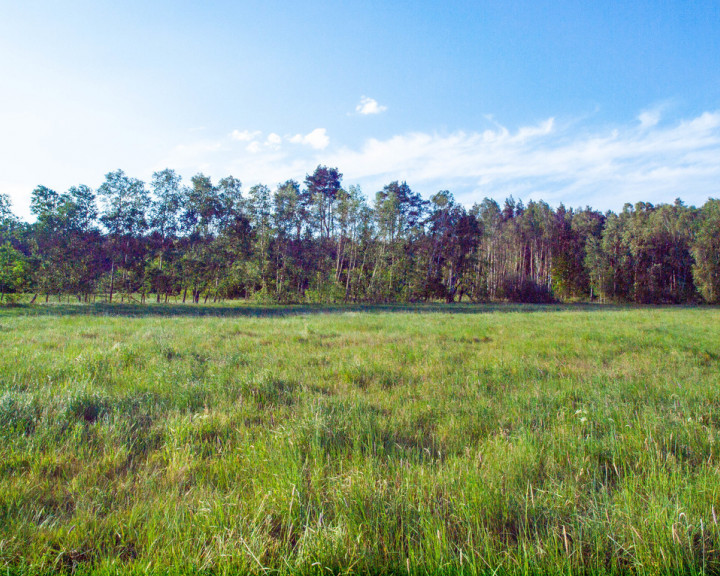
x=580 y=103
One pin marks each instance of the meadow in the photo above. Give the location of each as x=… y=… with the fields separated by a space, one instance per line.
x=386 y=440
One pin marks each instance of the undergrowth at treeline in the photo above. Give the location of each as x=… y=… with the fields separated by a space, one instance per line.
x=492 y=440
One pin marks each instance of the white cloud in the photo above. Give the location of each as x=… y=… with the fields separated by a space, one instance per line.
x=369 y=106
x=253 y=147
x=649 y=118
x=245 y=135
x=317 y=139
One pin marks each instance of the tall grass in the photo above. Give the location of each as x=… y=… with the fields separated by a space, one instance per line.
x=483 y=440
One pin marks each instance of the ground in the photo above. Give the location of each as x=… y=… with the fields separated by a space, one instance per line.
x=429 y=439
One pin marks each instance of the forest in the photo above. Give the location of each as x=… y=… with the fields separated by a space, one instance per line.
x=319 y=242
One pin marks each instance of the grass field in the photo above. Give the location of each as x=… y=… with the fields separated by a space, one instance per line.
x=505 y=440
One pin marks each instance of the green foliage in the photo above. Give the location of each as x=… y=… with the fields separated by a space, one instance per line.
x=9 y=223
x=125 y=202
x=706 y=268
x=14 y=271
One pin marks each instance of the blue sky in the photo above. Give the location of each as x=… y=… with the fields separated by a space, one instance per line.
x=573 y=102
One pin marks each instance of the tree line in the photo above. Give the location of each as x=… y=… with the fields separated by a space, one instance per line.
x=320 y=242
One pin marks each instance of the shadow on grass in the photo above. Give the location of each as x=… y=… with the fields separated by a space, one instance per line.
x=241 y=309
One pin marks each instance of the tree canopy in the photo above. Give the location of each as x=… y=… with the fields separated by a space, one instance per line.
x=321 y=242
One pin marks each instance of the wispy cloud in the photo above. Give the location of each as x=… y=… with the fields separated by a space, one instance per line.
x=369 y=106
x=554 y=160
x=603 y=168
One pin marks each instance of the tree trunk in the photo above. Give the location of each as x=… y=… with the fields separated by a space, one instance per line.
x=112 y=281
